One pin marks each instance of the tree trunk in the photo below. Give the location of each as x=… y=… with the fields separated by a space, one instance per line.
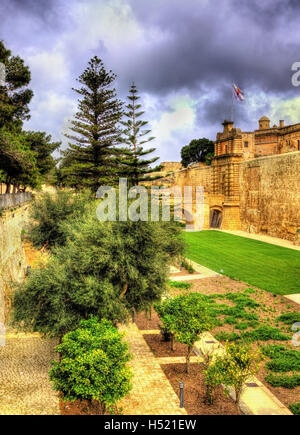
x=8 y=181
x=172 y=342
x=238 y=393
x=59 y=342
x=188 y=356
x=14 y=189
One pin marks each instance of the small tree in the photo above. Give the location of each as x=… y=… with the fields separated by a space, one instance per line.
x=93 y=365
x=237 y=365
x=212 y=378
x=186 y=317
x=198 y=150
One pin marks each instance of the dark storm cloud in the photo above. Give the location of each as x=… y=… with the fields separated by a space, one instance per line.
x=219 y=42
x=45 y=10
x=193 y=48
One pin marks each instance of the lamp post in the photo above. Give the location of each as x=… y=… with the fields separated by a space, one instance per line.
x=181 y=393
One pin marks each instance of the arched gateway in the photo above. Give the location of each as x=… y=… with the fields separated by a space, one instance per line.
x=215 y=218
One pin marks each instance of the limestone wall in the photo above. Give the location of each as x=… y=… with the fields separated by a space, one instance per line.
x=197 y=175
x=270 y=195
x=12 y=255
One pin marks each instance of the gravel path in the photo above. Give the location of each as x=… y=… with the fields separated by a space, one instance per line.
x=25 y=388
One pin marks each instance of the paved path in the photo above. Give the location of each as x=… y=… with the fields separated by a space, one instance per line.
x=263 y=238
x=152 y=393
x=294 y=298
x=25 y=388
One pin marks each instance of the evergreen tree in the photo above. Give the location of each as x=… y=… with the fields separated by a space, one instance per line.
x=16 y=159
x=43 y=147
x=91 y=154
x=14 y=95
x=133 y=166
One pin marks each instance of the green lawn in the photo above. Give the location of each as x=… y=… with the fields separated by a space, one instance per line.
x=260 y=264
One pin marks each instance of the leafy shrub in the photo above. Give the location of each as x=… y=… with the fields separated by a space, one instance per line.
x=286 y=381
x=230 y=320
x=289 y=318
x=265 y=333
x=179 y=284
x=242 y=326
x=227 y=336
x=295 y=408
x=188 y=266
x=93 y=364
x=242 y=300
x=282 y=359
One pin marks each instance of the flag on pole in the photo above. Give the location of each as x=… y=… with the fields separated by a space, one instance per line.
x=237 y=93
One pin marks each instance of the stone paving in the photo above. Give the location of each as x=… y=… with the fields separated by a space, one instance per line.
x=152 y=393
x=25 y=388
x=263 y=238
x=294 y=298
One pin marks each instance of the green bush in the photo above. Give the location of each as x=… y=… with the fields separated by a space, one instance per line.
x=286 y=381
x=265 y=333
x=179 y=284
x=295 y=408
x=227 y=336
x=93 y=364
x=188 y=266
x=282 y=359
x=289 y=318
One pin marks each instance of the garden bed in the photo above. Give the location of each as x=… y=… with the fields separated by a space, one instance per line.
x=144 y=323
x=264 y=308
x=82 y=408
x=161 y=348
x=194 y=391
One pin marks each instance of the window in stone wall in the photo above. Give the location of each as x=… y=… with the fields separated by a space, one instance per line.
x=298 y=145
x=246 y=144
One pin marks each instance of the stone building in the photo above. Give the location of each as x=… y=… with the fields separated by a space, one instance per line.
x=253 y=182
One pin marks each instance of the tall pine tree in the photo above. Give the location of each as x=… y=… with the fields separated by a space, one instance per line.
x=132 y=165
x=90 y=159
x=14 y=94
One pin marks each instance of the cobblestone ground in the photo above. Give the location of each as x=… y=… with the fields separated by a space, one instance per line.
x=25 y=388
x=152 y=393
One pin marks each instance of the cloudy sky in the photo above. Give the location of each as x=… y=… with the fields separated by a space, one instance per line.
x=182 y=55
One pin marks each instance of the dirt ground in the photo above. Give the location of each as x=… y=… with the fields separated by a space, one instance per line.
x=271 y=306
x=194 y=391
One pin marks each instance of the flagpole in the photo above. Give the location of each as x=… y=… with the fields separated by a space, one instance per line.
x=232 y=104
